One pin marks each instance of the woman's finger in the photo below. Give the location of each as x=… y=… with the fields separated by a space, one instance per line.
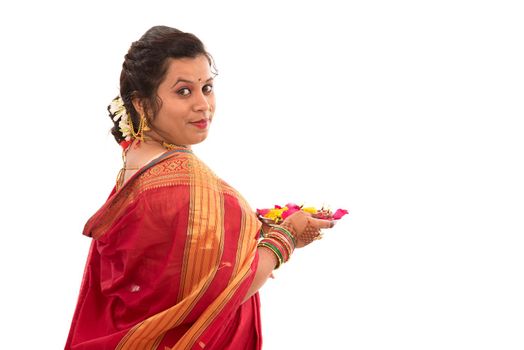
x=321 y=224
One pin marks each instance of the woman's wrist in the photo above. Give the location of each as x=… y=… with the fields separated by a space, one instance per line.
x=269 y=254
x=280 y=242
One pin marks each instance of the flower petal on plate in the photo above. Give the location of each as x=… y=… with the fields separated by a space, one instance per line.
x=290 y=211
x=339 y=214
x=262 y=211
x=310 y=210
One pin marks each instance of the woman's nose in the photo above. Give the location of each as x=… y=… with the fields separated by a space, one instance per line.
x=202 y=102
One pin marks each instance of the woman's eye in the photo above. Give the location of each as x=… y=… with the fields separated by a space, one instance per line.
x=207 y=89
x=184 y=92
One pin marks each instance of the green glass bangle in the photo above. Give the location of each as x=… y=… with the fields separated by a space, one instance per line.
x=281 y=247
x=281 y=229
x=277 y=251
x=274 y=250
x=282 y=237
x=274 y=253
x=284 y=241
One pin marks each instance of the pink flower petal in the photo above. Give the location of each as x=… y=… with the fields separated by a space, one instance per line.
x=289 y=212
x=292 y=206
x=262 y=211
x=339 y=214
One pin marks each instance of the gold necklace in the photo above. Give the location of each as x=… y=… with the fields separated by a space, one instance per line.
x=172 y=146
x=120 y=176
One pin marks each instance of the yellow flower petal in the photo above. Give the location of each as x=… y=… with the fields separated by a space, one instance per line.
x=310 y=210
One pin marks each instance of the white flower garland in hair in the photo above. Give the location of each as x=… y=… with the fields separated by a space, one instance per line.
x=119 y=114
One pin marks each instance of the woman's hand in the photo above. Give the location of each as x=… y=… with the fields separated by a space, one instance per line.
x=305 y=228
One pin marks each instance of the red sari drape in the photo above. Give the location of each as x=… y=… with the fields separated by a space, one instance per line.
x=172 y=258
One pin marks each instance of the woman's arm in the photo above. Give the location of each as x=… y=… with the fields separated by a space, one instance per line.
x=304 y=230
x=266 y=264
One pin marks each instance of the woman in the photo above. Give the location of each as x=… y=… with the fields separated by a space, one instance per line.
x=176 y=260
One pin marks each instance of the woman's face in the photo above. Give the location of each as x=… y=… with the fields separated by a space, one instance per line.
x=187 y=102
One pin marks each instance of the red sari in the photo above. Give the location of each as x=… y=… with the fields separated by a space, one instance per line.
x=172 y=258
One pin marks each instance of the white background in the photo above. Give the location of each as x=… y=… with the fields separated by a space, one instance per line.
x=407 y=113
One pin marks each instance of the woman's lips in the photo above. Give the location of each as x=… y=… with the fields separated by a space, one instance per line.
x=201 y=124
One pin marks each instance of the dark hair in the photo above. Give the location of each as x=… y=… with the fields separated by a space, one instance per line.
x=146 y=64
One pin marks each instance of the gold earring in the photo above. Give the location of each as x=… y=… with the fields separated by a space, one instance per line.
x=142 y=127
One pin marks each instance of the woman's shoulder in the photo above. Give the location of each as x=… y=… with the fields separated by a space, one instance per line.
x=175 y=169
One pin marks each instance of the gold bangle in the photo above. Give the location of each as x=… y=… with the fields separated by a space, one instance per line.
x=283 y=241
